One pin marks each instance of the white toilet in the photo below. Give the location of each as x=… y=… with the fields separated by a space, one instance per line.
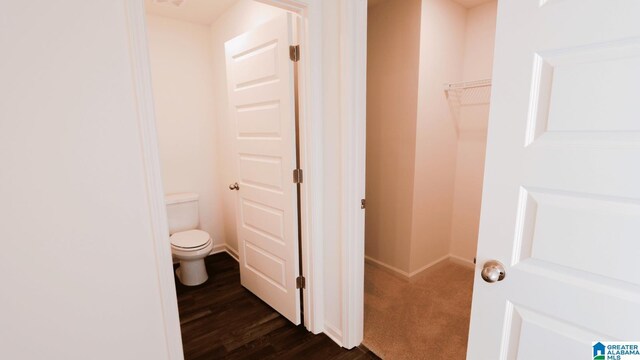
x=188 y=244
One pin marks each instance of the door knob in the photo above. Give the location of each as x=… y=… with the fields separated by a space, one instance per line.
x=493 y=271
x=234 y=186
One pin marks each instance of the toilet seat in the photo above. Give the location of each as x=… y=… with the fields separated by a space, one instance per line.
x=190 y=240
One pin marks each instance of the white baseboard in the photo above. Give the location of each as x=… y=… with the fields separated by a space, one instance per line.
x=408 y=276
x=395 y=271
x=225 y=248
x=217 y=248
x=462 y=261
x=428 y=266
x=333 y=333
x=232 y=252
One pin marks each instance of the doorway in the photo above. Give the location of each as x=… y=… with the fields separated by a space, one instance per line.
x=197 y=135
x=428 y=90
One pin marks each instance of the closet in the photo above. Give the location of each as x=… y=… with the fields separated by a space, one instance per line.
x=429 y=66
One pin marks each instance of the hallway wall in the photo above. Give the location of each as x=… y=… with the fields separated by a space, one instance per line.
x=79 y=262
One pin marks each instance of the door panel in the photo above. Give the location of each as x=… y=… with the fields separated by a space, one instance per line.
x=561 y=201
x=260 y=88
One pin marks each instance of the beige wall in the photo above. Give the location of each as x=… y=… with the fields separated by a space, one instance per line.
x=79 y=271
x=180 y=56
x=441 y=59
x=241 y=17
x=392 y=92
x=479 y=40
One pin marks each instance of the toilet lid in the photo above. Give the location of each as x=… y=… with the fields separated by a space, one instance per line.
x=189 y=239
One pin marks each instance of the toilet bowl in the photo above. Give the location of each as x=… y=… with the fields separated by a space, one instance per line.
x=188 y=244
x=190 y=248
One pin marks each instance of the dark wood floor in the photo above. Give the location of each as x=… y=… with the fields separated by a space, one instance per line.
x=222 y=320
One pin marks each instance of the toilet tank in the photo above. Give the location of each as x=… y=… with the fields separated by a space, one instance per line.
x=182 y=211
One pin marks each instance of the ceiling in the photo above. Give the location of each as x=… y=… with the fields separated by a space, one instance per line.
x=466 y=3
x=207 y=11
x=199 y=11
x=471 y=3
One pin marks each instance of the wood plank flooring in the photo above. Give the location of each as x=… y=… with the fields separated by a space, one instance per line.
x=222 y=320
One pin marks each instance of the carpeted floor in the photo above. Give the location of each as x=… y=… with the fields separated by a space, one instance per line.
x=424 y=318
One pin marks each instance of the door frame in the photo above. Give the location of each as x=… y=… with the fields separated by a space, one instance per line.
x=352 y=87
x=150 y=152
x=353 y=114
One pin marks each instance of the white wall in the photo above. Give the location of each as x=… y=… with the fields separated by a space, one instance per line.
x=241 y=17
x=478 y=63
x=79 y=277
x=441 y=60
x=182 y=75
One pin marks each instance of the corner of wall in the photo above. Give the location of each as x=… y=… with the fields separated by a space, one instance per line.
x=441 y=61
x=478 y=64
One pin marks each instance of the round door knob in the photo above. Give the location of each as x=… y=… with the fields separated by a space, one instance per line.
x=234 y=186
x=493 y=271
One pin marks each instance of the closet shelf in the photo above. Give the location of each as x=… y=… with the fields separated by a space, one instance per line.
x=477 y=92
x=468 y=84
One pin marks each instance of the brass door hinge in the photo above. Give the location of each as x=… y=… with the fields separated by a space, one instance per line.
x=294 y=53
x=300 y=282
x=297 y=176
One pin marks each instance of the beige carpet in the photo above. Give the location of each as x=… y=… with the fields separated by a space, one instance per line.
x=424 y=318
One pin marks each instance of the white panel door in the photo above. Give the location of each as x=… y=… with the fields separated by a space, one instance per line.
x=561 y=202
x=260 y=87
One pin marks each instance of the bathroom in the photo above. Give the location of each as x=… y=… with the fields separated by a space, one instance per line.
x=188 y=71
x=197 y=72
